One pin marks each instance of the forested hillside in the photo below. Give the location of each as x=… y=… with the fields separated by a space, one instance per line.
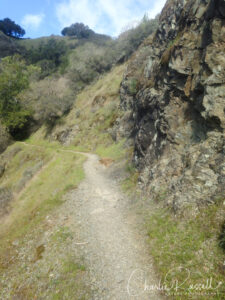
x=37 y=68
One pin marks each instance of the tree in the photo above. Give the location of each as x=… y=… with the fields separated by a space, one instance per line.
x=79 y=30
x=13 y=80
x=10 y=28
x=50 y=55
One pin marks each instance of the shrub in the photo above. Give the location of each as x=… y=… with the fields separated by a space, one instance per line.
x=87 y=63
x=50 y=99
x=13 y=80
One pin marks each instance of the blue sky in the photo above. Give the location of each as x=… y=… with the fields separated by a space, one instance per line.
x=46 y=17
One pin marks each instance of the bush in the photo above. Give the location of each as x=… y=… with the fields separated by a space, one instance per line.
x=13 y=80
x=50 y=99
x=87 y=63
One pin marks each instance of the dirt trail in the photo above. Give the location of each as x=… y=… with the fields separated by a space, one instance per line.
x=106 y=237
x=115 y=253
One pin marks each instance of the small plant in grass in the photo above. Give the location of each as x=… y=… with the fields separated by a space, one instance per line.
x=62 y=234
x=72 y=267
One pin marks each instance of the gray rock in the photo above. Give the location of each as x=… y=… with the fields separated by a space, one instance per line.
x=177 y=116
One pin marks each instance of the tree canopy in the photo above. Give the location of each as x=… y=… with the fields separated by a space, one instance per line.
x=10 y=28
x=79 y=30
x=13 y=80
x=49 y=55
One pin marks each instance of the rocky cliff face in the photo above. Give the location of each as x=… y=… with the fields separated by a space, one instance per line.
x=173 y=95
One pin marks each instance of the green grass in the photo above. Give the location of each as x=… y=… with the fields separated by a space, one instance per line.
x=61 y=172
x=129 y=185
x=64 y=286
x=69 y=283
x=62 y=235
x=95 y=120
x=182 y=246
x=72 y=267
x=39 y=198
x=29 y=43
x=114 y=151
x=44 y=193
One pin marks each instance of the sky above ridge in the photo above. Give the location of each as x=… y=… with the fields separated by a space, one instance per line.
x=46 y=17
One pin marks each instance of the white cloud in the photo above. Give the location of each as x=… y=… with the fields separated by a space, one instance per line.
x=77 y=11
x=32 y=21
x=157 y=7
x=106 y=16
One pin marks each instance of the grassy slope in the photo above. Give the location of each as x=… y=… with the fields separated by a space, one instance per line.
x=187 y=250
x=71 y=42
x=184 y=249
x=35 y=198
x=29 y=43
x=94 y=114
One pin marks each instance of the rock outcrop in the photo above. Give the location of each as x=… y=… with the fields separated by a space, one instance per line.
x=173 y=94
